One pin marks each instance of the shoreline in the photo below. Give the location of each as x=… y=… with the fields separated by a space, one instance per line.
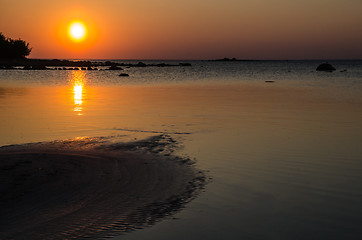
x=88 y=187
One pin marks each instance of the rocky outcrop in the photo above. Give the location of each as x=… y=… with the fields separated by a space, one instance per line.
x=123 y=75
x=326 y=67
x=43 y=64
x=114 y=67
x=185 y=64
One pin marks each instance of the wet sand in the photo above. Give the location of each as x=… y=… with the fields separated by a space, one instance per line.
x=91 y=188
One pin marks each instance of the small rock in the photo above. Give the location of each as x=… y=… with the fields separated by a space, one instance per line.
x=123 y=75
x=185 y=64
x=141 y=64
x=39 y=68
x=114 y=67
x=326 y=67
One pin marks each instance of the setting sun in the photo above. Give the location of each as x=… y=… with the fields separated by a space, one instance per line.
x=77 y=31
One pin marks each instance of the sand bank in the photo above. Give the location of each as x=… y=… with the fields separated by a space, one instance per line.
x=91 y=188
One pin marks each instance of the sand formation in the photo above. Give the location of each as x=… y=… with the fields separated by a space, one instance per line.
x=91 y=189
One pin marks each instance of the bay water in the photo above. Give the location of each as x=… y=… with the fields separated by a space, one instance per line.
x=281 y=144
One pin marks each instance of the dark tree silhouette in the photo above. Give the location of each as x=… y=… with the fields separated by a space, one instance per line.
x=11 y=49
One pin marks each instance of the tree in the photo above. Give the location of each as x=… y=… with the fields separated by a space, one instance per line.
x=10 y=48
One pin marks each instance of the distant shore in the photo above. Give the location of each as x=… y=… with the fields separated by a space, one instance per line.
x=44 y=64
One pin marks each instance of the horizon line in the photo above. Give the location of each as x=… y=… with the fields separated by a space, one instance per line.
x=216 y=59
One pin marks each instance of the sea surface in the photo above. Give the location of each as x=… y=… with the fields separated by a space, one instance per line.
x=281 y=143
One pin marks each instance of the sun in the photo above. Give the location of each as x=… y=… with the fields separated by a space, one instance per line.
x=77 y=31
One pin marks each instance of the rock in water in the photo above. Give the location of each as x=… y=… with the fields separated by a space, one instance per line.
x=141 y=64
x=123 y=75
x=185 y=64
x=114 y=67
x=325 y=67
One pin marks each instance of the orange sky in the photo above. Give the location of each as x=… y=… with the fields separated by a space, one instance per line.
x=188 y=29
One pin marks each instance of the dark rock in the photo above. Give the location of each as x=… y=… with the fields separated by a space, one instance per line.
x=227 y=59
x=185 y=64
x=114 y=67
x=123 y=75
x=269 y=81
x=141 y=64
x=109 y=63
x=83 y=68
x=39 y=68
x=162 y=65
x=325 y=67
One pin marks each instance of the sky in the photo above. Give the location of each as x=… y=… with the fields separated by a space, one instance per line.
x=188 y=29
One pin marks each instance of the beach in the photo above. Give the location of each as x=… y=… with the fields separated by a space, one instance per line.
x=244 y=158
x=88 y=189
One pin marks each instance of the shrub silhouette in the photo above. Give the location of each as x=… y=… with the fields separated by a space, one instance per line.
x=10 y=48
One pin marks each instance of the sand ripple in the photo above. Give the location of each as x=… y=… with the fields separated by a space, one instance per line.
x=89 y=188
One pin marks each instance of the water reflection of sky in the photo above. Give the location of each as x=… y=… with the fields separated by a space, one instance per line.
x=78 y=80
x=4 y=92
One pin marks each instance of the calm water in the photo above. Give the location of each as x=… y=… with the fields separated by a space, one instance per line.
x=285 y=158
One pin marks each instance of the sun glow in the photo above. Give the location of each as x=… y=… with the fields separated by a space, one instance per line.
x=77 y=31
x=78 y=35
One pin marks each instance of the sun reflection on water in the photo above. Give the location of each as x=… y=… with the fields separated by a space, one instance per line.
x=78 y=80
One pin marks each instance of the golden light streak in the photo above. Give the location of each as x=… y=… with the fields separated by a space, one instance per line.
x=78 y=80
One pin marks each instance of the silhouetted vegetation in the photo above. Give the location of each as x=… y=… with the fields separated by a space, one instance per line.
x=13 y=49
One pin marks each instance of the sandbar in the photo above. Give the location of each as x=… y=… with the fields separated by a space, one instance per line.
x=88 y=188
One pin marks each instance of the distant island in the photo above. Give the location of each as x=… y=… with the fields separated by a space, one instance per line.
x=232 y=60
x=56 y=64
x=226 y=59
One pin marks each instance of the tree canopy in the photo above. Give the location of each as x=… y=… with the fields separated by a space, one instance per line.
x=10 y=48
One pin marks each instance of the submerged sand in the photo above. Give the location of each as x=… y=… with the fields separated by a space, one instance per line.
x=91 y=188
